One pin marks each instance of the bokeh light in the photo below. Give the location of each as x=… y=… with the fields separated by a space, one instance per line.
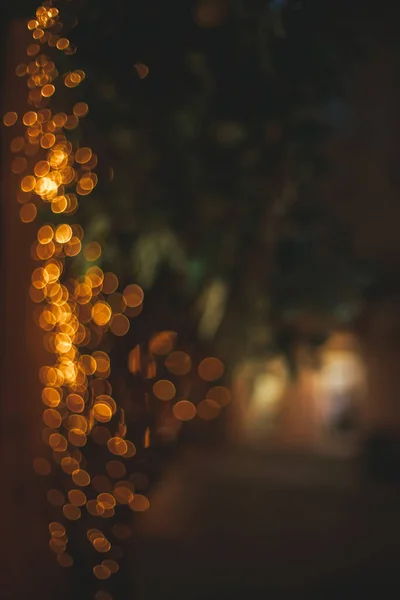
x=164 y=389
x=208 y=410
x=133 y=295
x=184 y=410
x=211 y=369
x=10 y=118
x=178 y=363
x=139 y=503
x=78 y=306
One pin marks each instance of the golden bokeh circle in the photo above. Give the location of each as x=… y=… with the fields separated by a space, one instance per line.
x=77 y=497
x=139 y=503
x=81 y=477
x=211 y=369
x=221 y=395
x=101 y=313
x=119 y=324
x=10 y=118
x=101 y=572
x=164 y=390
x=208 y=410
x=133 y=295
x=184 y=410
x=65 y=560
x=117 y=445
x=178 y=363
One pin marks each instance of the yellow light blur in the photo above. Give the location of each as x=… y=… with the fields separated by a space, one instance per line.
x=63 y=233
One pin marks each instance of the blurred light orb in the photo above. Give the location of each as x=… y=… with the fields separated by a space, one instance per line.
x=184 y=410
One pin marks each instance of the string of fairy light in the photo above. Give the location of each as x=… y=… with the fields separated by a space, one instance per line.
x=78 y=312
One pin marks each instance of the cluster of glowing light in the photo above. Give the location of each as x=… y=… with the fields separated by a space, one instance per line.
x=75 y=312
x=77 y=308
x=58 y=544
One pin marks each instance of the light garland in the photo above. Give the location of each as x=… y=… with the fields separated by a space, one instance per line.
x=76 y=313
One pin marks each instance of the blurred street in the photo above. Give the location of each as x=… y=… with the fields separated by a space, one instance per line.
x=224 y=524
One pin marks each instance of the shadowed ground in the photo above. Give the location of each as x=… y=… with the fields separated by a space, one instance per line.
x=224 y=524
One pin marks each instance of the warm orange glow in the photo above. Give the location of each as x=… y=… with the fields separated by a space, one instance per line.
x=119 y=324
x=130 y=449
x=28 y=183
x=19 y=165
x=65 y=560
x=106 y=500
x=208 y=410
x=110 y=283
x=81 y=477
x=52 y=418
x=51 y=397
x=58 y=442
x=62 y=44
x=142 y=70
x=184 y=410
x=101 y=544
x=73 y=246
x=48 y=140
x=45 y=234
x=83 y=155
x=42 y=168
x=10 y=119
x=76 y=437
x=164 y=389
x=81 y=109
x=114 y=568
x=72 y=79
x=17 y=144
x=162 y=343
x=117 y=446
x=101 y=313
x=28 y=213
x=134 y=360
x=33 y=49
x=63 y=233
x=77 y=306
x=48 y=90
x=139 y=503
x=56 y=529
x=92 y=251
x=133 y=295
x=77 y=497
x=71 y=512
x=211 y=369
x=29 y=118
x=102 y=412
x=178 y=363
x=117 y=302
x=123 y=493
x=220 y=395
x=69 y=465
x=101 y=572
x=102 y=360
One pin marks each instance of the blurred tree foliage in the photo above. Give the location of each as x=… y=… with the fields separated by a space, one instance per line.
x=209 y=166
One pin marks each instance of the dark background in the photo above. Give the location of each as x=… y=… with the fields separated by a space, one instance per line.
x=319 y=112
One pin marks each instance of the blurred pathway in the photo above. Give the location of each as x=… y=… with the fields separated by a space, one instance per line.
x=224 y=524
